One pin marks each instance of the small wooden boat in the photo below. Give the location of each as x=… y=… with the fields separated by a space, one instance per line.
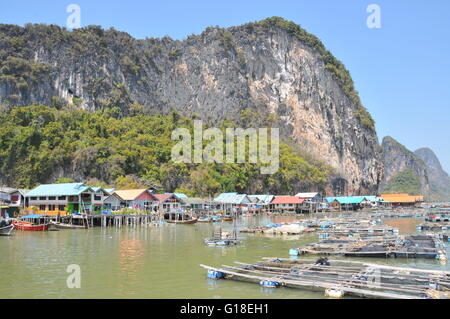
x=227 y=218
x=6 y=231
x=68 y=226
x=213 y=242
x=186 y=221
x=204 y=220
x=21 y=225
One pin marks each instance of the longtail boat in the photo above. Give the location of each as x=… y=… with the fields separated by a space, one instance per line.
x=204 y=219
x=186 y=221
x=21 y=225
x=68 y=226
x=6 y=231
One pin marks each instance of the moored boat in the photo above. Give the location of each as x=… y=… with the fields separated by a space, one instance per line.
x=186 y=221
x=21 y=225
x=204 y=219
x=6 y=231
x=68 y=226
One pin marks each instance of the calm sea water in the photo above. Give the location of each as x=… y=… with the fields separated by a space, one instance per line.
x=152 y=262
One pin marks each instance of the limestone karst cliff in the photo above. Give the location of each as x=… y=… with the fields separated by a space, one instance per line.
x=404 y=171
x=272 y=67
x=438 y=178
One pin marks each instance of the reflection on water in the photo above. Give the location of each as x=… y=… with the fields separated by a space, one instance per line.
x=153 y=262
x=404 y=225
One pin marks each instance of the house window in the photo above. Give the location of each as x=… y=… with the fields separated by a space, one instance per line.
x=42 y=207
x=52 y=198
x=33 y=198
x=62 y=198
x=61 y=207
x=51 y=208
x=97 y=197
x=42 y=198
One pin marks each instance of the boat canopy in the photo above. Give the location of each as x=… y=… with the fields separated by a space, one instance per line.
x=32 y=216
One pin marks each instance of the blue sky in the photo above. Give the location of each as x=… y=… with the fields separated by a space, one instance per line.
x=401 y=70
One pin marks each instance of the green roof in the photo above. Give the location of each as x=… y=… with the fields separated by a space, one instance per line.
x=67 y=189
x=346 y=199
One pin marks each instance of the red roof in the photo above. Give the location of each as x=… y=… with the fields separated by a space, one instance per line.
x=163 y=197
x=287 y=200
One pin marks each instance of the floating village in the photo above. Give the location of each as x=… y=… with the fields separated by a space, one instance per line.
x=346 y=229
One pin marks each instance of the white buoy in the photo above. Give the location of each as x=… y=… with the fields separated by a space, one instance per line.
x=334 y=293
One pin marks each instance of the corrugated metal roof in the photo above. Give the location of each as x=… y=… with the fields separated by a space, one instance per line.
x=264 y=199
x=373 y=198
x=287 y=200
x=346 y=199
x=180 y=195
x=224 y=195
x=98 y=189
x=66 y=189
x=8 y=190
x=401 y=198
x=197 y=201
x=232 y=198
x=130 y=194
x=307 y=195
x=164 y=197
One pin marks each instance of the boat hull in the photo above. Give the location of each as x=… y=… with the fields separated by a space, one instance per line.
x=6 y=231
x=190 y=221
x=68 y=226
x=30 y=227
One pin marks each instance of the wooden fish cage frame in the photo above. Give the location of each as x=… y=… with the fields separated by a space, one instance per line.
x=341 y=277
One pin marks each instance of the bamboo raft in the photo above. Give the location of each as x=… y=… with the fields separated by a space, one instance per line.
x=409 y=247
x=336 y=278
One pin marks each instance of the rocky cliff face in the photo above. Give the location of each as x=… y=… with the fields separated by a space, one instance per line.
x=272 y=67
x=404 y=171
x=439 y=179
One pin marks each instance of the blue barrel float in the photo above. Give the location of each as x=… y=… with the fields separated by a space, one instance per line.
x=294 y=252
x=269 y=283
x=213 y=274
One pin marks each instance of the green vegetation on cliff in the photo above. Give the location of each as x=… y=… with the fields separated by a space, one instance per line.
x=42 y=144
x=336 y=67
x=405 y=181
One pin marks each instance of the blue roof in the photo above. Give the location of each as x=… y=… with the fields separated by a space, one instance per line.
x=32 y=216
x=67 y=189
x=346 y=199
x=180 y=195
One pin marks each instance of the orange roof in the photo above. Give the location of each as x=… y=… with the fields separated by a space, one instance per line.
x=287 y=200
x=396 y=195
x=401 y=198
x=130 y=194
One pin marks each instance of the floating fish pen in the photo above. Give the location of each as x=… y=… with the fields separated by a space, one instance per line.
x=222 y=239
x=355 y=231
x=399 y=214
x=336 y=278
x=278 y=229
x=433 y=226
x=438 y=217
x=409 y=247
